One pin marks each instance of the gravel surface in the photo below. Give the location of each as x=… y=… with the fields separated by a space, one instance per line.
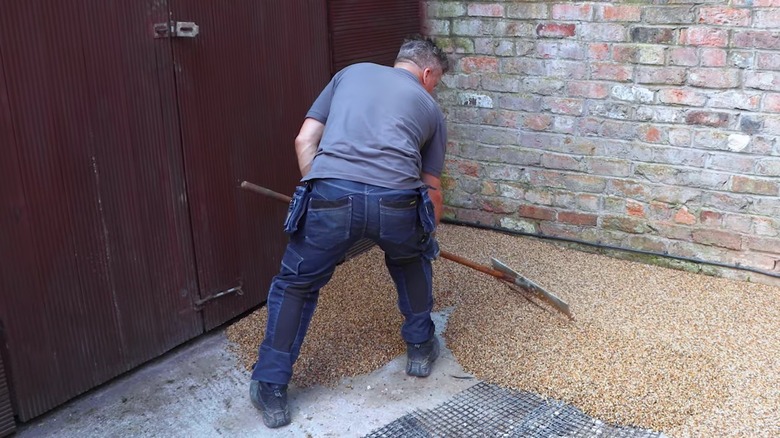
x=651 y=347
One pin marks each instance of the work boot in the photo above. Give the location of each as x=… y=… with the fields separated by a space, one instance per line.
x=272 y=400
x=420 y=357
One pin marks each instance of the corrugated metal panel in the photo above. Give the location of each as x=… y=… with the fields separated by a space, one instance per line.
x=95 y=244
x=10 y=212
x=7 y=423
x=370 y=30
x=244 y=83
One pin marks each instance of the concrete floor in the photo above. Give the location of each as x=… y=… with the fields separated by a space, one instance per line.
x=198 y=390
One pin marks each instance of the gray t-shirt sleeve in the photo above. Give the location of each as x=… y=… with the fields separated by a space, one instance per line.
x=320 y=109
x=432 y=152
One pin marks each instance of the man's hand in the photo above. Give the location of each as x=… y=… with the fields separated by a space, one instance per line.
x=437 y=197
x=306 y=143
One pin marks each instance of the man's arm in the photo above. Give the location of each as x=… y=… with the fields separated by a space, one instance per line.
x=306 y=143
x=434 y=191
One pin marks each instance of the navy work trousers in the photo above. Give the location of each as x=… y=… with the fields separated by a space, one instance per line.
x=326 y=218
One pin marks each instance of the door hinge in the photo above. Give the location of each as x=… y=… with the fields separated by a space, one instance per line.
x=176 y=29
x=198 y=304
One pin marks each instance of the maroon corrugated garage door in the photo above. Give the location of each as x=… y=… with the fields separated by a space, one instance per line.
x=123 y=232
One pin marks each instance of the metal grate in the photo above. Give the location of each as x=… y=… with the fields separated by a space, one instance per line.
x=486 y=410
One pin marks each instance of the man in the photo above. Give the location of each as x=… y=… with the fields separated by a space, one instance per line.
x=371 y=152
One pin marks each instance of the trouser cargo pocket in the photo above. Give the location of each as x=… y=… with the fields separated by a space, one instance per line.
x=296 y=209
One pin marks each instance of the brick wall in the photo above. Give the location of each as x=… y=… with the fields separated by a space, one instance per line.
x=645 y=125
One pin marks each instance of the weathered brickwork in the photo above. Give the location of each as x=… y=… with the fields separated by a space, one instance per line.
x=645 y=125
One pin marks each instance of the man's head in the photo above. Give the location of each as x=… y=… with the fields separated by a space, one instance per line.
x=422 y=57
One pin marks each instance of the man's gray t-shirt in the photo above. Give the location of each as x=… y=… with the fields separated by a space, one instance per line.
x=381 y=128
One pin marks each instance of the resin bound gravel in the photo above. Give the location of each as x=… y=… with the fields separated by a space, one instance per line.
x=683 y=353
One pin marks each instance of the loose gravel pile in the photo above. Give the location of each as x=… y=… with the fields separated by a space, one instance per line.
x=686 y=354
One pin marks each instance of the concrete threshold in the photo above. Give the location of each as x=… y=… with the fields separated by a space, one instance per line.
x=199 y=390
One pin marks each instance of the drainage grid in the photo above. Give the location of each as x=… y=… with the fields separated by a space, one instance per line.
x=487 y=410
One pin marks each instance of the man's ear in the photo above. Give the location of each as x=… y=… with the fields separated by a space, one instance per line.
x=427 y=74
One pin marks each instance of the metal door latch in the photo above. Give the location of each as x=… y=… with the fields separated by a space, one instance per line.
x=198 y=304
x=176 y=29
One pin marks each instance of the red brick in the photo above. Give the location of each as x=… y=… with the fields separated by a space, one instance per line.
x=634 y=208
x=572 y=11
x=660 y=211
x=473 y=64
x=584 y=183
x=558 y=161
x=564 y=106
x=593 y=90
x=683 y=216
x=713 y=57
x=589 y=126
x=723 y=239
x=678 y=96
x=757 y=39
x=704 y=36
x=608 y=166
x=534 y=212
x=710 y=218
x=507 y=119
x=772 y=103
x=735 y=99
x=598 y=52
x=744 y=184
x=573 y=218
x=469 y=168
x=764 y=244
x=684 y=56
x=650 y=134
x=555 y=30
x=624 y=54
x=714 y=77
x=724 y=16
x=620 y=13
x=708 y=118
x=614 y=72
x=527 y=11
x=486 y=10
x=497 y=206
x=538 y=122
x=660 y=75
x=652 y=35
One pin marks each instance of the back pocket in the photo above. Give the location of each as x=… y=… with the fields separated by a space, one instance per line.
x=328 y=222
x=398 y=220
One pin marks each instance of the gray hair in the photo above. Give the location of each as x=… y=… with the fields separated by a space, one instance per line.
x=423 y=52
